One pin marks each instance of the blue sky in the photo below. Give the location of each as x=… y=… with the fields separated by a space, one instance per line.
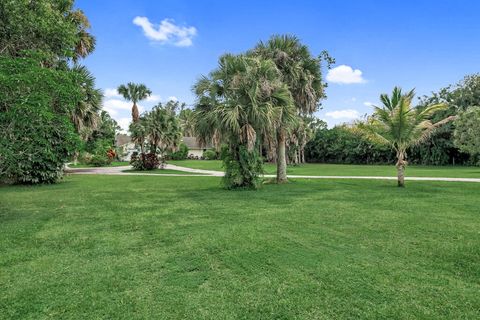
x=377 y=45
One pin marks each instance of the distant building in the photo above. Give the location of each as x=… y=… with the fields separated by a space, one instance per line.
x=194 y=147
x=126 y=147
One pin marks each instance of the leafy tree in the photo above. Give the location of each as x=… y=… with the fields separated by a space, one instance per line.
x=440 y=148
x=301 y=72
x=37 y=136
x=400 y=125
x=237 y=103
x=467 y=131
x=134 y=92
x=340 y=145
x=49 y=26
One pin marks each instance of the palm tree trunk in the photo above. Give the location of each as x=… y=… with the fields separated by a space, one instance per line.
x=401 y=169
x=281 y=158
x=135 y=114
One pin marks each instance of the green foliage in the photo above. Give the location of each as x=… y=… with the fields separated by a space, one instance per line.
x=180 y=154
x=467 y=131
x=341 y=145
x=37 y=136
x=440 y=149
x=142 y=161
x=51 y=26
x=135 y=93
x=242 y=102
x=210 y=154
x=242 y=167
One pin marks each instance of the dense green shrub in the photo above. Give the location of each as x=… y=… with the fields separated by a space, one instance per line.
x=467 y=131
x=210 y=154
x=341 y=145
x=242 y=167
x=36 y=134
x=144 y=161
x=180 y=154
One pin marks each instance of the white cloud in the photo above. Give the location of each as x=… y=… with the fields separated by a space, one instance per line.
x=172 y=98
x=348 y=114
x=368 y=104
x=167 y=32
x=111 y=93
x=124 y=123
x=116 y=104
x=345 y=75
x=153 y=98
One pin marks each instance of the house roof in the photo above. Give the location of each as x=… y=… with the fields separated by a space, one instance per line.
x=192 y=143
x=122 y=139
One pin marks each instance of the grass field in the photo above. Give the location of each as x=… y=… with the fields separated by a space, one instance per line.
x=321 y=169
x=113 y=164
x=140 y=247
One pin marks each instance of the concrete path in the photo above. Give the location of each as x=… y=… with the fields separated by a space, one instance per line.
x=203 y=173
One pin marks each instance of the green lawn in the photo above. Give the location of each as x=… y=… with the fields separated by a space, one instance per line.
x=140 y=247
x=160 y=171
x=113 y=164
x=321 y=169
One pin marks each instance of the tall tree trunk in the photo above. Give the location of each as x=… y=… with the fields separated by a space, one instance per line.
x=303 y=154
x=135 y=114
x=401 y=169
x=281 y=158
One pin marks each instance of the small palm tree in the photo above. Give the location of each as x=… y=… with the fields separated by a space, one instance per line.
x=400 y=125
x=134 y=92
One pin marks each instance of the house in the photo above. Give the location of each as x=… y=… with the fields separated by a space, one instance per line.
x=194 y=147
x=125 y=147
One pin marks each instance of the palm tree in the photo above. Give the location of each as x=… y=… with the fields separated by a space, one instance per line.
x=135 y=93
x=86 y=114
x=186 y=117
x=398 y=124
x=85 y=42
x=302 y=74
x=241 y=100
x=163 y=130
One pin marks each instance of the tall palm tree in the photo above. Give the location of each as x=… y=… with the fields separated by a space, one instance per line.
x=86 y=114
x=134 y=92
x=85 y=42
x=400 y=125
x=237 y=103
x=187 y=122
x=302 y=74
x=163 y=130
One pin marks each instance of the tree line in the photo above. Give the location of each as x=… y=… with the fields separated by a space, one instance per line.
x=451 y=144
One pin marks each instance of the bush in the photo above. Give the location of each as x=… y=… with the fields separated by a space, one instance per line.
x=37 y=137
x=144 y=161
x=181 y=154
x=210 y=154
